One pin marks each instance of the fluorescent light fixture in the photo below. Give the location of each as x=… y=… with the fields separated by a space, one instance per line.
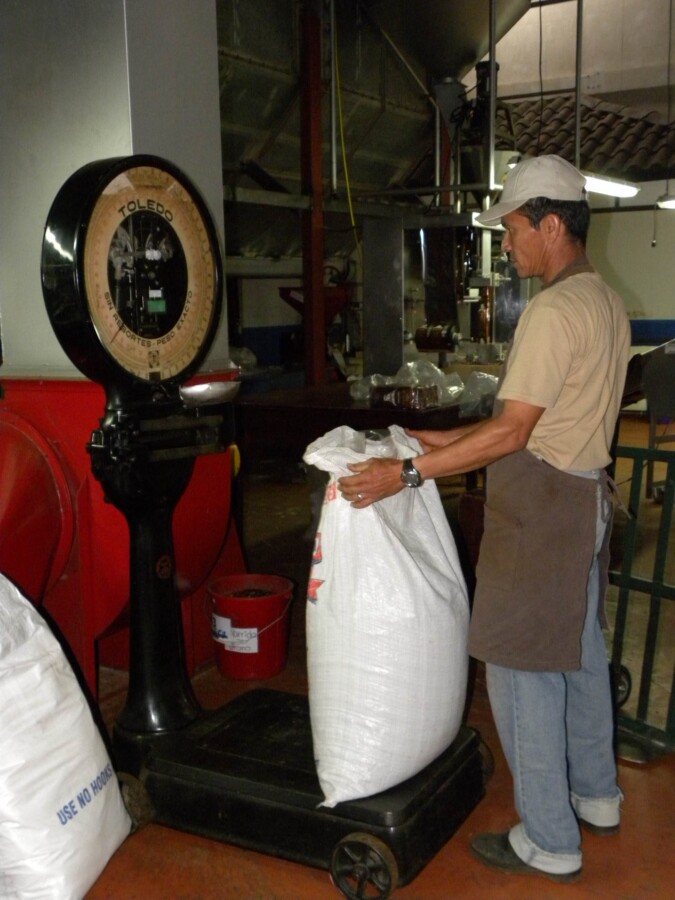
x=610 y=187
x=666 y=201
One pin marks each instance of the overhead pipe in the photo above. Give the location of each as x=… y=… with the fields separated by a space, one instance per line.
x=492 y=97
x=314 y=318
x=456 y=169
x=486 y=237
x=333 y=101
x=423 y=190
x=437 y=156
x=577 y=85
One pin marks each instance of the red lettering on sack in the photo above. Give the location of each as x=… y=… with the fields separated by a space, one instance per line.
x=316 y=552
x=313 y=589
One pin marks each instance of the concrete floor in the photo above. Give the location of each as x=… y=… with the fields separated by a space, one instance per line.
x=159 y=862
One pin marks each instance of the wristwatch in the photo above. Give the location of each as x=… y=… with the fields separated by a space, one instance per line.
x=409 y=474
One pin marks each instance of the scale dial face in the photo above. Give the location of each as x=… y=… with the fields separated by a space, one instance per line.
x=147 y=273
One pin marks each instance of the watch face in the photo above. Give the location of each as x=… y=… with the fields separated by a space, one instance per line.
x=150 y=273
x=131 y=271
x=409 y=474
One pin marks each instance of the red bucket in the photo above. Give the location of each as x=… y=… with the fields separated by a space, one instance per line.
x=250 y=621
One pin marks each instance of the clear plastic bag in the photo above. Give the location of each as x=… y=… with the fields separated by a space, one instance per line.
x=418 y=384
x=479 y=395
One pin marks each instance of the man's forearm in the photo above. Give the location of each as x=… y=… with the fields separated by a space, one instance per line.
x=481 y=444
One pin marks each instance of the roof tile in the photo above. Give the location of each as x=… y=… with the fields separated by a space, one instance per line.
x=615 y=140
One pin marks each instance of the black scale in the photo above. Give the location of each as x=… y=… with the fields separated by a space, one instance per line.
x=132 y=281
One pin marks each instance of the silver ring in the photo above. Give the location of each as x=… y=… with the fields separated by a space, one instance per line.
x=359 y=496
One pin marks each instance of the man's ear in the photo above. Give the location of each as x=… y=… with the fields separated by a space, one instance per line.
x=551 y=225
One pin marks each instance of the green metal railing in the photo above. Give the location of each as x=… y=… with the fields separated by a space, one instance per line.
x=654 y=739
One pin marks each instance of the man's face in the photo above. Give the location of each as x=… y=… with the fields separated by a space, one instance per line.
x=525 y=245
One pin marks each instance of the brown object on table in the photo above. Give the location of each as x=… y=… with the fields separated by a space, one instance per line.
x=405 y=396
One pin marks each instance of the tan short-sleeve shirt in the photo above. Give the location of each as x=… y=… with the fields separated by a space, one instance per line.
x=570 y=354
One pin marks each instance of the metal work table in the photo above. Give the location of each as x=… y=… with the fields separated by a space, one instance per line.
x=285 y=422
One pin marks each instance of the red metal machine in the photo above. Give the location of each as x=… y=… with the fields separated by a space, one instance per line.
x=68 y=550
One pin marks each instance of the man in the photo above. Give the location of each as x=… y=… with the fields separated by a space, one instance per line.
x=541 y=574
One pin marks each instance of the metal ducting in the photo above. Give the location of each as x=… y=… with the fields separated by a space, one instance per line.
x=447 y=36
x=390 y=52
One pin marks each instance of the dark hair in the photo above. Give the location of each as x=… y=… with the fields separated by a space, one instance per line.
x=575 y=214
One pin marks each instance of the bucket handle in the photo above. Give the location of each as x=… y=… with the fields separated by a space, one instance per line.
x=269 y=625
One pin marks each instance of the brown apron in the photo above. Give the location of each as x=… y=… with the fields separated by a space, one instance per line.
x=535 y=556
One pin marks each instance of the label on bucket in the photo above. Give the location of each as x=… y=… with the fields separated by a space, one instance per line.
x=236 y=640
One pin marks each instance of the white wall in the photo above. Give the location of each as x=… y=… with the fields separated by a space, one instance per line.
x=62 y=105
x=624 y=51
x=620 y=247
x=82 y=80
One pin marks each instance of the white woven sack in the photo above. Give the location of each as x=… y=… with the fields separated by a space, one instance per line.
x=387 y=623
x=61 y=811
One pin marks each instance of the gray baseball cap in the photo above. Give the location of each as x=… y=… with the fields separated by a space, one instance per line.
x=536 y=176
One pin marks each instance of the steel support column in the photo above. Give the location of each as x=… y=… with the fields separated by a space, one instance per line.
x=314 y=319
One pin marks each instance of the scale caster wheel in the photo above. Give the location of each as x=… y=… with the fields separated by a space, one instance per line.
x=624 y=686
x=362 y=866
x=136 y=800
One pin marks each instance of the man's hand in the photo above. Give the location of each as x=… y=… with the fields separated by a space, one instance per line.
x=373 y=480
x=445 y=453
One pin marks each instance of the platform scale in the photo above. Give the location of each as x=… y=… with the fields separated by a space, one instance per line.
x=132 y=281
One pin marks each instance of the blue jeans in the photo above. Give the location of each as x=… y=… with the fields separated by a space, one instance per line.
x=556 y=730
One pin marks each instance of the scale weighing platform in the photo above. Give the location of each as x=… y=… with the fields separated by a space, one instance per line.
x=132 y=281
